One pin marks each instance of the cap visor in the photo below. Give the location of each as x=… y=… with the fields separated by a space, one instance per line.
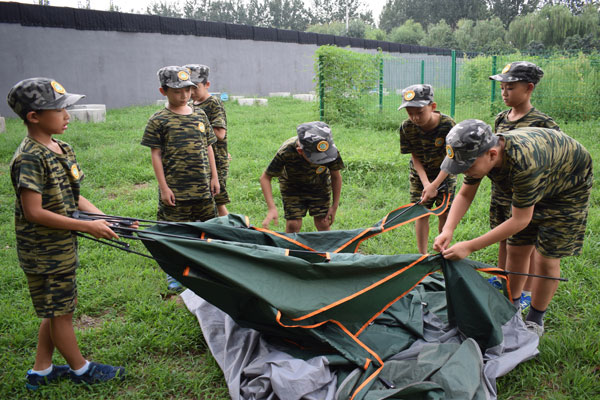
x=323 y=157
x=452 y=167
x=504 y=78
x=415 y=103
x=67 y=100
x=179 y=85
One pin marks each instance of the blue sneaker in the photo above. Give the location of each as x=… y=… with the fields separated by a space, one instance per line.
x=525 y=301
x=97 y=373
x=34 y=380
x=495 y=282
x=173 y=284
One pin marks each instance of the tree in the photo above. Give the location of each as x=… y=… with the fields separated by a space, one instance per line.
x=439 y=35
x=44 y=2
x=164 y=8
x=288 y=14
x=325 y=11
x=332 y=28
x=507 y=10
x=375 y=34
x=410 y=32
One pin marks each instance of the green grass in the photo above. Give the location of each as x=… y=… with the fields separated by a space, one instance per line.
x=125 y=317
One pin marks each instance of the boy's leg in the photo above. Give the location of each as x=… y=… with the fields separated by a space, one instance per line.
x=45 y=347
x=422 y=232
x=322 y=224
x=544 y=289
x=222 y=210
x=318 y=207
x=517 y=260
x=63 y=336
x=293 y=225
x=294 y=209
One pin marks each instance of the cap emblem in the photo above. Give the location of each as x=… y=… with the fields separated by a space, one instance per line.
x=182 y=75
x=439 y=142
x=320 y=169
x=201 y=127
x=322 y=146
x=57 y=87
x=449 y=151
x=75 y=171
x=506 y=69
x=409 y=95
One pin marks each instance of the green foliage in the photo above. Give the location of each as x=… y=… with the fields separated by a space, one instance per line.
x=439 y=35
x=410 y=32
x=375 y=34
x=332 y=28
x=485 y=36
x=346 y=76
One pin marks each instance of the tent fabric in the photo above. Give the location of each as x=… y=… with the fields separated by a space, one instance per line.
x=308 y=290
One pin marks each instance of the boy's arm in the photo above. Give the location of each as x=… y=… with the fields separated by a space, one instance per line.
x=265 y=185
x=517 y=222
x=430 y=191
x=31 y=202
x=220 y=133
x=215 y=188
x=459 y=207
x=166 y=194
x=420 y=169
x=336 y=190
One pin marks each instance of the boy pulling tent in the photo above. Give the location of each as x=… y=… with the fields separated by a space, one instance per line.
x=378 y=326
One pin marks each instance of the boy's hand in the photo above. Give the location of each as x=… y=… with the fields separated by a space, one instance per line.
x=271 y=216
x=215 y=187
x=442 y=241
x=459 y=251
x=167 y=196
x=429 y=192
x=100 y=229
x=330 y=216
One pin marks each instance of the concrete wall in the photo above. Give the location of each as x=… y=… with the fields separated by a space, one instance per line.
x=119 y=68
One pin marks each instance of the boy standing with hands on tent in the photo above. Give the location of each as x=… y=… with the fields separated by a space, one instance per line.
x=215 y=111
x=308 y=167
x=517 y=82
x=180 y=141
x=550 y=177
x=46 y=178
x=423 y=135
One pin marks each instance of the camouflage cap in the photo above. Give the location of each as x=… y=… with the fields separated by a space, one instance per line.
x=174 y=77
x=520 y=71
x=316 y=142
x=39 y=94
x=465 y=142
x=416 y=96
x=198 y=72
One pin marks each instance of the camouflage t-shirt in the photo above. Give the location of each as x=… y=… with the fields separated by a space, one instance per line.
x=428 y=147
x=532 y=118
x=215 y=111
x=298 y=176
x=56 y=177
x=183 y=141
x=539 y=165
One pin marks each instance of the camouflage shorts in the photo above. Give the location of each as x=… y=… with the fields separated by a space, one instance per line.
x=557 y=230
x=201 y=210
x=295 y=207
x=53 y=295
x=416 y=189
x=500 y=206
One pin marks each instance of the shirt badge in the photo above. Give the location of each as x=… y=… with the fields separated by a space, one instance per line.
x=320 y=169
x=439 y=142
x=75 y=171
x=201 y=127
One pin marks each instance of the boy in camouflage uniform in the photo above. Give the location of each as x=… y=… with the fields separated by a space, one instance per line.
x=46 y=178
x=423 y=136
x=517 y=82
x=549 y=175
x=215 y=111
x=308 y=167
x=180 y=142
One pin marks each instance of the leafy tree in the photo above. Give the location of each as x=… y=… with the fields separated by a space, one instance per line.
x=164 y=8
x=375 y=34
x=356 y=29
x=439 y=35
x=463 y=35
x=332 y=28
x=507 y=10
x=410 y=32
x=114 y=7
x=44 y=2
x=288 y=14
x=325 y=11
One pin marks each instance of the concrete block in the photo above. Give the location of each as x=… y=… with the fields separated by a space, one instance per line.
x=305 y=97
x=280 y=94
x=2 y=125
x=312 y=92
x=235 y=98
x=161 y=102
x=245 y=102
x=261 y=102
x=88 y=112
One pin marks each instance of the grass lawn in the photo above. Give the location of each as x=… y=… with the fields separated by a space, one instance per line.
x=125 y=317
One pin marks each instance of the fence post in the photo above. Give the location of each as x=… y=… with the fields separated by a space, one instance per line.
x=422 y=72
x=493 y=91
x=380 y=82
x=453 y=89
x=321 y=90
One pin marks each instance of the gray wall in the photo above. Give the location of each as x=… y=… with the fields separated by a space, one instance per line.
x=119 y=68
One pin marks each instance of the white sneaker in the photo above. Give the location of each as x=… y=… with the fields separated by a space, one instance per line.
x=535 y=328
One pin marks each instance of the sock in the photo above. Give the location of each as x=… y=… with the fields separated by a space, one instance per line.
x=82 y=370
x=536 y=316
x=517 y=302
x=527 y=293
x=43 y=372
